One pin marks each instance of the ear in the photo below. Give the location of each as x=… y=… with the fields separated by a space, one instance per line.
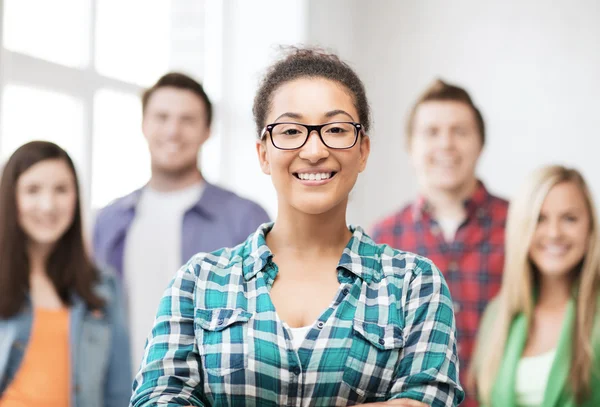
x=263 y=156
x=143 y=126
x=205 y=136
x=365 y=150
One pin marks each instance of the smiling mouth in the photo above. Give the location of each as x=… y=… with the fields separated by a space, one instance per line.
x=320 y=176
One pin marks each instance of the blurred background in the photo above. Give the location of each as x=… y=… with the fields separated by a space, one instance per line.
x=72 y=71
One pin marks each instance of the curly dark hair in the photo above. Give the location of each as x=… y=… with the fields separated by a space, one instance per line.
x=312 y=63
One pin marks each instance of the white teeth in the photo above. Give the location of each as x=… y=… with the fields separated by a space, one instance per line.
x=445 y=162
x=314 y=177
x=172 y=147
x=555 y=249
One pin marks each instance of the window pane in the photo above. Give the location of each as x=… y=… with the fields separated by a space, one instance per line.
x=121 y=162
x=36 y=114
x=57 y=31
x=132 y=39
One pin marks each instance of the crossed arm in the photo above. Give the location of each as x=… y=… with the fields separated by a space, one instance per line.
x=428 y=369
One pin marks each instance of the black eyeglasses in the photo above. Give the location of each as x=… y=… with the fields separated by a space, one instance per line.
x=291 y=136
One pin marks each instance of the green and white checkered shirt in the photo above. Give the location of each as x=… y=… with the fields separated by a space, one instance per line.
x=217 y=340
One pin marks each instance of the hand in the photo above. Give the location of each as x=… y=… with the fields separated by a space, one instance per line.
x=405 y=403
x=398 y=403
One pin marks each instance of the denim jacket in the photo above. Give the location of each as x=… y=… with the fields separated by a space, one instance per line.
x=99 y=346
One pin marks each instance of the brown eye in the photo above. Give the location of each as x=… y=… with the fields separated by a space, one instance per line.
x=62 y=189
x=431 y=132
x=32 y=189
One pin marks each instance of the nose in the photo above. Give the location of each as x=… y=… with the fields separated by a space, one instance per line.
x=446 y=139
x=172 y=128
x=47 y=202
x=553 y=230
x=314 y=150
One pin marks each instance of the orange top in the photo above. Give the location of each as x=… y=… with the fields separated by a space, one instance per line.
x=43 y=377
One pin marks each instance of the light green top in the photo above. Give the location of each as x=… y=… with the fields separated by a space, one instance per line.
x=557 y=392
x=532 y=378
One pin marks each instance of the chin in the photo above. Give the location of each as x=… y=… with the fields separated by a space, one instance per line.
x=314 y=208
x=45 y=240
x=449 y=184
x=555 y=270
x=174 y=167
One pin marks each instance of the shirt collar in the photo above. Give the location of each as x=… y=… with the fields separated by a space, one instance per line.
x=208 y=205
x=476 y=204
x=361 y=256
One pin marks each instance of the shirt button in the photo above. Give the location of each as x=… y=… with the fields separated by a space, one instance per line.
x=296 y=370
x=381 y=341
x=320 y=325
x=220 y=322
x=345 y=291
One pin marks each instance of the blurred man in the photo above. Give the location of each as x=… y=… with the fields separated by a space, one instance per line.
x=455 y=221
x=147 y=235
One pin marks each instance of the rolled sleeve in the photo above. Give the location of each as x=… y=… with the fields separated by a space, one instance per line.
x=428 y=370
x=170 y=371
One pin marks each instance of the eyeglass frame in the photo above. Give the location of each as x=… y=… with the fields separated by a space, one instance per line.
x=312 y=127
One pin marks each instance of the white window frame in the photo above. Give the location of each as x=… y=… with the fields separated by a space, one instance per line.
x=82 y=83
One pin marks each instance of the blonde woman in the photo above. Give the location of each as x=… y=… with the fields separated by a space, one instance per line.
x=545 y=318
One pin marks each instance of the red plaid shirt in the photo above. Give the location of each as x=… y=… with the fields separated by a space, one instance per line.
x=472 y=263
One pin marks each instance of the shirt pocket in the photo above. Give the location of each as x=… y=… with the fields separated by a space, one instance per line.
x=373 y=358
x=221 y=336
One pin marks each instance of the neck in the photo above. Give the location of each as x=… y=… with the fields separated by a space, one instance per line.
x=168 y=182
x=449 y=203
x=38 y=257
x=554 y=293
x=302 y=234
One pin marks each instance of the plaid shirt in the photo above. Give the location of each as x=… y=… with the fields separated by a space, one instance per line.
x=472 y=263
x=217 y=340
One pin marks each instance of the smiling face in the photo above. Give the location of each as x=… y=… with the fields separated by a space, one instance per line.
x=563 y=231
x=46 y=201
x=175 y=126
x=445 y=145
x=313 y=179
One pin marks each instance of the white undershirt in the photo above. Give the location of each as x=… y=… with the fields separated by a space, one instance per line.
x=298 y=335
x=449 y=228
x=532 y=378
x=152 y=256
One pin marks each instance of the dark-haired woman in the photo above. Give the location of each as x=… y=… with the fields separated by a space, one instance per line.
x=307 y=311
x=62 y=337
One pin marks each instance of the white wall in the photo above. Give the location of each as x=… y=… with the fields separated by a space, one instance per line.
x=251 y=32
x=532 y=66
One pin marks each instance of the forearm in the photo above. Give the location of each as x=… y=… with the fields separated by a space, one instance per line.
x=397 y=403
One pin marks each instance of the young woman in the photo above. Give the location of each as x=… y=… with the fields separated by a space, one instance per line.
x=540 y=339
x=62 y=338
x=307 y=311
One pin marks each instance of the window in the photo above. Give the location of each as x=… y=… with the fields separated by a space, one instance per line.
x=121 y=159
x=36 y=114
x=31 y=28
x=76 y=77
x=139 y=55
